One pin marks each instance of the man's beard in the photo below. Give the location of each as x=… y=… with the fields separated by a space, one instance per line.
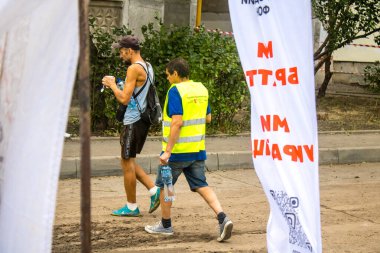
x=128 y=62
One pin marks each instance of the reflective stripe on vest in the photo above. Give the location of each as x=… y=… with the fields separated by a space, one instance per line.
x=187 y=122
x=194 y=97
x=187 y=139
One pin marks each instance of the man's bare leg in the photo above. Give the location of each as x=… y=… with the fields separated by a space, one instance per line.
x=133 y=171
x=165 y=206
x=210 y=197
x=129 y=172
x=225 y=224
x=143 y=177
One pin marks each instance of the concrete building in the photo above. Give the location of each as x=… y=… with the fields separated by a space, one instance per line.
x=136 y=13
x=349 y=62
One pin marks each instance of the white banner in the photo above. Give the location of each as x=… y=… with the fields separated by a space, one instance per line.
x=274 y=40
x=38 y=61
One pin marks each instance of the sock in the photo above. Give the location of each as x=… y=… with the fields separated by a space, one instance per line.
x=166 y=223
x=221 y=217
x=132 y=206
x=153 y=190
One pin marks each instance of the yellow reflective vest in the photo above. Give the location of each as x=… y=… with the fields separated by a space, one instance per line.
x=194 y=97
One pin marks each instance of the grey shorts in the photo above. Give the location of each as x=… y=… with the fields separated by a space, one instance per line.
x=194 y=172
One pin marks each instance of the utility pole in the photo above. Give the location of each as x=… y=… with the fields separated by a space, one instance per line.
x=199 y=14
x=85 y=130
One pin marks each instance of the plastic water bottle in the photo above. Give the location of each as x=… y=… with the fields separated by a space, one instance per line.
x=167 y=179
x=120 y=83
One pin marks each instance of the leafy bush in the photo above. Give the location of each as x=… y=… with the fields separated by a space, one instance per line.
x=213 y=60
x=372 y=76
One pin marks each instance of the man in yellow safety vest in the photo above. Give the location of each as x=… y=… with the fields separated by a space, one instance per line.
x=186 y=112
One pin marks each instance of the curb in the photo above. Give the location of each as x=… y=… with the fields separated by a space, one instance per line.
x=110 y=165
x=158 y=138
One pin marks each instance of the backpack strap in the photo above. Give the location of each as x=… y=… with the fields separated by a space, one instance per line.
x=146 y=81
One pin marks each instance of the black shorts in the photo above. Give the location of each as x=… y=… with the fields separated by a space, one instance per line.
x=132 y=138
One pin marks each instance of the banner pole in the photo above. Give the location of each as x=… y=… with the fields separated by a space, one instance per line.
x=85 y=130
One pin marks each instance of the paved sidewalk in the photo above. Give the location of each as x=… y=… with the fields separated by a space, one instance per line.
x=224 y=152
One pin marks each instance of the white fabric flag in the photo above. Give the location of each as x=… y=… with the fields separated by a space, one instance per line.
x=274 y=40
x=38 y=61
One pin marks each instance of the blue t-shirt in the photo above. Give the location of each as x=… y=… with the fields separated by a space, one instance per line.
x=175 y=108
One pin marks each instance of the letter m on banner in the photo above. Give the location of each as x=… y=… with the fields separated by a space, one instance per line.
x=274 y=42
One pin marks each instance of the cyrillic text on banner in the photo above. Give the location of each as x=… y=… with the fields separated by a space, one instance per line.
x=274 y=41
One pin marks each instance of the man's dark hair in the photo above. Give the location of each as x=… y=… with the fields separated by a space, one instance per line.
x=179 y=65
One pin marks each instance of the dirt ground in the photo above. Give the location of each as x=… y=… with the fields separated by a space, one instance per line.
x=342 y=113
x=358 y=109
x=350 y=203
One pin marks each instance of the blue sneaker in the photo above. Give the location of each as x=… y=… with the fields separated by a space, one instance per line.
x=125 y=211
x=155 y=201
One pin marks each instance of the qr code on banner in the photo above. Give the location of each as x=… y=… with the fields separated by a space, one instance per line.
x=288 y=206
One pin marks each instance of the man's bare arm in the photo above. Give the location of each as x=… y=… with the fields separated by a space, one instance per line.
x=123 y=96
x=175 y=129
x=208 y=118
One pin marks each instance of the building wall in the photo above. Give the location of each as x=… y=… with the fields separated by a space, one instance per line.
x=177 y=12
x=349 y=72
x=106 y=13
x=215 y=15
x=349 y=62
x=131 y=13
x=180 y=12
x=216 y=6
x=137 y=13
x=357 y=53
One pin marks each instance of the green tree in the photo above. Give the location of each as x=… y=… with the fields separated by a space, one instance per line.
x=344 y=21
